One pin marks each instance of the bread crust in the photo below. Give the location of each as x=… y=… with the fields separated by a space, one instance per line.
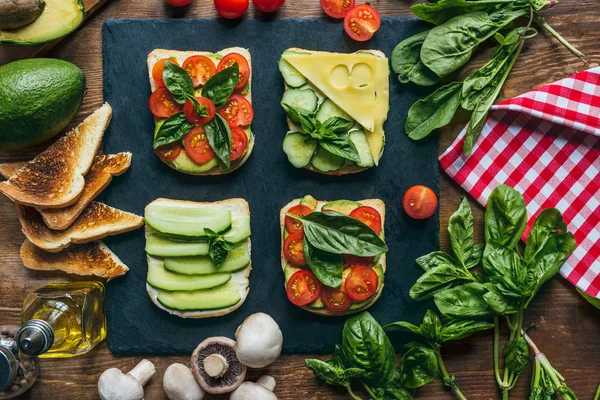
x=9 y=169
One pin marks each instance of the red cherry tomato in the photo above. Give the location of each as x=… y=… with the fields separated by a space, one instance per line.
x=178 y=3
x=239 y=142
x=293 y=225
x=168 y=152
x=335 y=299
x=162 y=103
x=303 y=288
x=268 y=5
x=231 y=8
x=336 y=8
x=420 y=202
x=197 y=147
x=293 y=249
x=192 y=115
x=243 y=65
x=361 y=22
x=361 y=283
x=237 y=111
x=352 y=261
x=368 y=216
x=200 y=69
x=157 y=71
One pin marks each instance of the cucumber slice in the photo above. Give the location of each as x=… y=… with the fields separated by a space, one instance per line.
x=299 y=148
x=159 y=245
x=240 y=230
x=291 y=75
x=236 y=259
x=329 y=109
x=304 y=99
x=326 y=161
x=186 y=219
x=161 y=278
x=359 y=139
x=220 y=297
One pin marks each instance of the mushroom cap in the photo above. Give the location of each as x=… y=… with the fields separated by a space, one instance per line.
x=115 y=385
x=236 y=371
x=259 y=341
x=252 y=391
x=180 y=384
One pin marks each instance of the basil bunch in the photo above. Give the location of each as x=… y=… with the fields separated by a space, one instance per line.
x=218 y=247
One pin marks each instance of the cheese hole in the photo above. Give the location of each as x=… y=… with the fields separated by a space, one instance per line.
x=340 y=76
x=361 y=76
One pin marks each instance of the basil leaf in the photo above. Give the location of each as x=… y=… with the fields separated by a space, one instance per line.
x=178 y=82
x=218 y=247
x=341 y=146
x=552 y=256
x=406 y=62
x=437 y=279
x=392 y=390
x=172 y=130
x=476 y=255
x=221 y=85
x=219 y=137
x=460 y=228
x=403 y=326
x=418 y=366
x=516 y=355
x=332 y=372
x=465 y=301
x=547 y=223
x=337 y=125
x=201 y=110
x=431 y=327
x=327 y=267
x=505 y=217
x=340 y=234
x=508 y=271
x=305 y=119
x=435 y=259
x=460 y=329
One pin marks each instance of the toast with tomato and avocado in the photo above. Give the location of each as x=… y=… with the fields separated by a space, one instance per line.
x=336 y=105
x=202 y=107
x=198 y=256
x=333 y=254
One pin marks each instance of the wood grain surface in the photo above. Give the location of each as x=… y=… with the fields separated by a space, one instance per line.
x=567 y=327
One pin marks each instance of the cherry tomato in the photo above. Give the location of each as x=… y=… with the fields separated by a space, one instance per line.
x=237 y=111
x=303 y=288
x=361 y=283
x=336 y=8
x=157 y=71
x=239 y=142
x=352 y=261
x=268 y=5
x=231 y=8
x=293 y=249
x=192 y=115
x=368 y=216
x=361 y=22
x=178 y=3
x=335 y=299
x=162 y=103
x=197 y=147
x=168 y=152
x=420 y=202
x=200 y=69
x=293 y=225
x=243 y=65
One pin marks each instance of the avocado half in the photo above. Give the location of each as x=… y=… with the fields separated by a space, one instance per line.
x=59 y=18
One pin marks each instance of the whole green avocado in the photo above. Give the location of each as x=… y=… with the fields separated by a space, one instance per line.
x=38 y=99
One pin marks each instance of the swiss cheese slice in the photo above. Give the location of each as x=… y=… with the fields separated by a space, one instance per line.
x=375 y=137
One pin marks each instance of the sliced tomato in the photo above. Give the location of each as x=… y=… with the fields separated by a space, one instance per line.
x=369 y=216
x=239 y=143
x=303 y=288
x=242 y=63
x=293 y=225
x=158 y=68
x=335 y=299
x=200 y=69
x=351 y=261
x=420 y=202
x=336 y=8
x=168 y=152
x=237 y=111
x=192 y=115
x=162 y=103
x=361 y=283
x=293 y=249
x=197 y=147
x=361 y=22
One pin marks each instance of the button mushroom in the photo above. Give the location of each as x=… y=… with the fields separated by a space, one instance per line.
x=115 y=385
x=179 y=383
x=216 y=367
x=261 y=390
x=259 y=341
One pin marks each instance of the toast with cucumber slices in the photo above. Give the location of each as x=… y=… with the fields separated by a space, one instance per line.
x=198 y=256
x=202 y=107
x=333 y=254
x=336 y=106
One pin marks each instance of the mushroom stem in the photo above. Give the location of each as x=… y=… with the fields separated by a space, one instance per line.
x=267 y=381
x=215 y=365
x=143 y=372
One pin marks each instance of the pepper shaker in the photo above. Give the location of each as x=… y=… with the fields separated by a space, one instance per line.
x=17 y=371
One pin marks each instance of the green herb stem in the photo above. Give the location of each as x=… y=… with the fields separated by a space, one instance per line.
x=351 y=393
x=542 y=22
x=446 y=376
x=497 y=351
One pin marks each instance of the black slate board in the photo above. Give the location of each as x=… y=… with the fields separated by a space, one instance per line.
x=267 y=181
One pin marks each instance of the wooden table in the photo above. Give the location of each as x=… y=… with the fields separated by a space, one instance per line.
x=568 y=327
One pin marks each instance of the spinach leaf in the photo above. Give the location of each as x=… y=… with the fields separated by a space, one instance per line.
x=434 y=111
x=221 y=85
x=406 y=62
x=327 y=267
x=460 y=329
x=218 y=247
x=516 y=355
x=443 y=10
x=505 y=217
x=341 y=146
x=436 y=258
x=460 y=227
x=333 y=372
x=219 y=137
x=437 y=279
x=547 y=223
x=172 y=130
x=465 y=301
x=418 y=366
x=178 y=82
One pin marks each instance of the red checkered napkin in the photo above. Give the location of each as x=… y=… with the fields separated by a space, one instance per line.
x=546 y=144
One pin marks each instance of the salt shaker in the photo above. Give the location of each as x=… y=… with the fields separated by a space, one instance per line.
x=17 y=371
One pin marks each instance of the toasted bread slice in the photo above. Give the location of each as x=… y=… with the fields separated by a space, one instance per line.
x=376 y=204
x=90 y=259
x=97 y=221
x=9 y=169
x=55 y=178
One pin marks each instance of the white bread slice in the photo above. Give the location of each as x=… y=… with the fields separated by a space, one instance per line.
x=377 y=204
x=9 y=169
x=97 y=221
x=239 y=208
x=55 y=178
x=181 y=56
x=90 y=259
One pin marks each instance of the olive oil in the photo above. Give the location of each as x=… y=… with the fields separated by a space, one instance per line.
x=63 y=320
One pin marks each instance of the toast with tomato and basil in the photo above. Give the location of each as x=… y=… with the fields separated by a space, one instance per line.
x=336 y=106
x=202 y=107
x=333 y=254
